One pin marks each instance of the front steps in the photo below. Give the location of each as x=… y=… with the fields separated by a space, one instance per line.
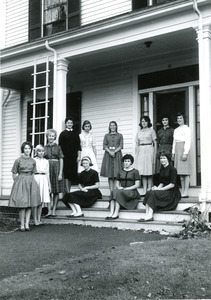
x=165 y=221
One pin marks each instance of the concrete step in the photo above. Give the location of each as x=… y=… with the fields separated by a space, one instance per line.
x=93 y=212
x=126 y=224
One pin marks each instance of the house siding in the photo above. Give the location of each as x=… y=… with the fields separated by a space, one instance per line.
x=16 y=26
x=16 y=23
x=10 y=139
x=96 y=10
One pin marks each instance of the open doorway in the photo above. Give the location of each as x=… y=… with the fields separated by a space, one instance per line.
x=170 y=102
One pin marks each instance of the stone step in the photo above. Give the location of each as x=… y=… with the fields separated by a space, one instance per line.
x=125 y=224
x=93 y=212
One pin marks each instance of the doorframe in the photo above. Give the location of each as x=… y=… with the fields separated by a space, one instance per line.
x=191 y=102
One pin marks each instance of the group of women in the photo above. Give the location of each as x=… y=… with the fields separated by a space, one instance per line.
x=74 y=159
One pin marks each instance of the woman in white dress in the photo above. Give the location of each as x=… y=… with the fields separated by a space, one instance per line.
x=180 y=153
x=43 y=180
x=88 y=145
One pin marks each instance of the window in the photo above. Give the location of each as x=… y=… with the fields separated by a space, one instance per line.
x=138 y=4
x=47 y=17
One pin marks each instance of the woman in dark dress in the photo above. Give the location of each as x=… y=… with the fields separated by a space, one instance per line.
x=70 y=144
x=88 y=189
x=166 y=195
x=112 y=164
x=125 y=194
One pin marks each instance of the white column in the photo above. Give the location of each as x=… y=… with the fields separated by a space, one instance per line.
x=59 y=104
x=205 y=118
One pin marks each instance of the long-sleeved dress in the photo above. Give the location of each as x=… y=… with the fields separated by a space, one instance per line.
x=145 y=155
x=112 y=165
x=126 y=198
x=164 y=200
x=25 y=190
x=87 y=144
x=41 y=177
x=70 y=144
x=53 y=153
x=181 y=145
x=85 y=199
x=164 y=143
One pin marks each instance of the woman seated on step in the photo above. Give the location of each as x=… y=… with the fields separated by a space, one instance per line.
x=125 y=194
x=166 y=195
x=88 y=189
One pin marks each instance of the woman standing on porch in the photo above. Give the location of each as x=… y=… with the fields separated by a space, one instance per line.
x=180 y=152
x=88 y=145
x=25 y=192
x=146 y=148
x=112 y=159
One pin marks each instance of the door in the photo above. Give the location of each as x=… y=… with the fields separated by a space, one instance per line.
x=73 y=109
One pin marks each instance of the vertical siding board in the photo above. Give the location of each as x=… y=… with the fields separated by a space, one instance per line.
x=10 y=139
x=16 y=25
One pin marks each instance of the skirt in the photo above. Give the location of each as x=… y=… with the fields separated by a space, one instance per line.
x=87 y=151
x=56 y=185
x=25 y=192
x=183 y=166
x=84 y=199
x=111 y=165
x=145 y=160
x=42 y=182
x=127 y=199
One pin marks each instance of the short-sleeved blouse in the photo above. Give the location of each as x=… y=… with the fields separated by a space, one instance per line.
x=53 y=151
x=128 y=178
x=168 y=175
x=88 y=178
x=146 y=136
x=24 y=165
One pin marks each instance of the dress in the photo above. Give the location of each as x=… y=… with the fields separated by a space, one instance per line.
x=145 y=156
x=42 y=166
x=25 y=190
x=85 y=199
x=53 y=154
x=87 y=144
x=70 y=144
x=127 y=199
x=181 y=145
x=112 y=165
x=165 y=141
x=164 y=200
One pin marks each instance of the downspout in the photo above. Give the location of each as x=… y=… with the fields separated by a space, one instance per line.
x=54 y=77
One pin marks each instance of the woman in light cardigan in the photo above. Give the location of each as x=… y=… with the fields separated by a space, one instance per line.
x=180 y=153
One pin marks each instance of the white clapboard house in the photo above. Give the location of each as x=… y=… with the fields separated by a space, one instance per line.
x=105 y=60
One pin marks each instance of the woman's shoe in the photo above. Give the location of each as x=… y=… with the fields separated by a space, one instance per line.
x=48 y=216
x=27 y=229
x=22 y=229
x=108 y=218
x=143 y=220
x=77 y=216
x=115 y=217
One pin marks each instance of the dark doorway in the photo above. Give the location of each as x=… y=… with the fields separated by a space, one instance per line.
x=73 y=109
x=170 y=103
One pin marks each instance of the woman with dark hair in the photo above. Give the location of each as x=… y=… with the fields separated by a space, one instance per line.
x=146 y=148
x=88 y=190
x=166 y=195
x=112 y=164
x=25 y=192
x=88 y=145
x=70 y=144
x=125 y=194
x=180 y=153
x=164 y=138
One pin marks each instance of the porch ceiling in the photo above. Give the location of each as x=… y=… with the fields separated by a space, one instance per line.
x=173 y=45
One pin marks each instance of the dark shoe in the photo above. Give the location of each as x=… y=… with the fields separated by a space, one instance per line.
x=82 y=215
x=115 y=217
x=108 y=218
x=185 y=196
x=70 y=216
x=143 y=220
x=27 y=229
x=48 y=216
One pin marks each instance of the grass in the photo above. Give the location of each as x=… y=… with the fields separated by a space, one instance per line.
x=167 y=269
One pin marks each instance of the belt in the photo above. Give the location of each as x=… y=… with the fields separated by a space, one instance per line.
x=112 y=148
x=40 y=173
x=145 y=144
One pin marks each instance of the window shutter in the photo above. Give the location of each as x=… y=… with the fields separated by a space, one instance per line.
x=74 y=12
x=34 y=19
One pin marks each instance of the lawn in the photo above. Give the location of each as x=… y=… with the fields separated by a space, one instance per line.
x=166 y=269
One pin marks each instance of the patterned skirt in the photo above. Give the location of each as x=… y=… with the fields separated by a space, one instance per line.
x=57 y=186
x=183 y=166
